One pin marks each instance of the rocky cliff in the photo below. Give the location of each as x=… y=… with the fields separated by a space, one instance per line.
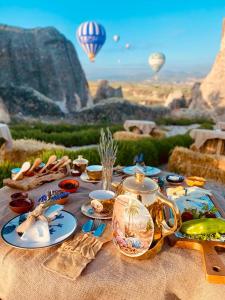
x=117 y=110
x=210 y=94
x=43 y=59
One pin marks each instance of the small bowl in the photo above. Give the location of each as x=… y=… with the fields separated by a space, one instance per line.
x=21 y=206
x=76 y=173
x=19 y=195
x=94 y=172
x=174 y=179
x=69 y=185
x=14 y=171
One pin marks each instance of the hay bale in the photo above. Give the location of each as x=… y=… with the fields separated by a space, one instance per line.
x=158 y=133
x=129 y=136
x=190 y=163
x=24 y=149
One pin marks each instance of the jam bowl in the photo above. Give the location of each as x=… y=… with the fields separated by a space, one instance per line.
x=22 y=205
x=69 y=185
x=19 y=195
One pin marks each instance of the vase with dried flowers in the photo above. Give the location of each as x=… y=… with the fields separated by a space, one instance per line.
x=107 y=151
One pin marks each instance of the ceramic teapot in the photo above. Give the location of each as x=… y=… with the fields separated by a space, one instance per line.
x=146 y=191
x=140 y=187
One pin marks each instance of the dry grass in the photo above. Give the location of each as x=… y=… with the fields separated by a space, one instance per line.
x=132 y=136
x=26 y=148
x=129 y=136
x=190 y=163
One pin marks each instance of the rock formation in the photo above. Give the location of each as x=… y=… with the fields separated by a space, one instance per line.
x=117 y=110
x=22 y=101
x=210 y=94
x=105 y=91
x=176 y=100
x=43 y=59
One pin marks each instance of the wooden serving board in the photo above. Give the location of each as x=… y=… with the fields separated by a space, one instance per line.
x=213 y=265
x=29 y=183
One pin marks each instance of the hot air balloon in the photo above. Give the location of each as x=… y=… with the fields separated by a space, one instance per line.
x=156 y=61
x=91 y=36
x=116 y=38
x=127 y=46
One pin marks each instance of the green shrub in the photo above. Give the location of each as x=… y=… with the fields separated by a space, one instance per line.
x=156 y=152
x=206 y=126
x=61 y=134
x=183 y=121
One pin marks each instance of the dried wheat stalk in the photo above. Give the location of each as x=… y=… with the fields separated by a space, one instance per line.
x=107 y=148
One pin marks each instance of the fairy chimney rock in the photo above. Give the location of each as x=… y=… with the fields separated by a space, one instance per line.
x=212 y=88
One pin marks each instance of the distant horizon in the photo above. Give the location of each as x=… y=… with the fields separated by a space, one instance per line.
x=188 y=33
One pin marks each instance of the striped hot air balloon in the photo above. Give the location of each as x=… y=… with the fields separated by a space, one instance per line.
x=91 y=36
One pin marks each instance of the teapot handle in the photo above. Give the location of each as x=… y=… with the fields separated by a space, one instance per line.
x=166 y=229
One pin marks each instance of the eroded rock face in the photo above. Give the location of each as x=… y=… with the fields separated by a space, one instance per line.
x=176 y=100
x=105 y=91
x=210 y=94
x=117 y=110
x=25 y=101
x=43 y=59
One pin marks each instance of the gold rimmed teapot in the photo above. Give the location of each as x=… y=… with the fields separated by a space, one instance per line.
x=146 y=191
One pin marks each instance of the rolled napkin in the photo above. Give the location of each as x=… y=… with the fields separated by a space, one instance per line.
x=74 y=255
x=35 y=228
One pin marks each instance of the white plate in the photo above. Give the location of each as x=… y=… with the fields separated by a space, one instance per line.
x=61 y=228
x=102 y=195
x=84 y=177
x=148 y=171
x=86 y=208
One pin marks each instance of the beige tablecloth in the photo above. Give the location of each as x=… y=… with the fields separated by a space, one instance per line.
x=5 y=134
x=172 y=274
x=145 y=126
x=202 y=135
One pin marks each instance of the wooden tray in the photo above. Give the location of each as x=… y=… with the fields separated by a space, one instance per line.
x=213 y=265
x=29 y=183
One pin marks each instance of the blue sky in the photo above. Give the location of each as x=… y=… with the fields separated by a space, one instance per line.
x=188 y=32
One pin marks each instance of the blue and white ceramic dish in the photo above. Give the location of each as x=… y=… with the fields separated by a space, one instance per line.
x=61 y=228
x=147 y=170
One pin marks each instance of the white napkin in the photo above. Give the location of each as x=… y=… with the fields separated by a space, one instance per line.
x=39 y=231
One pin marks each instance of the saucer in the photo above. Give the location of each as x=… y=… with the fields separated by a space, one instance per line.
x=84 y=177
x=88 y=211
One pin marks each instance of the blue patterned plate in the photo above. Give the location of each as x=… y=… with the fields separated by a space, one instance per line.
x=61 y=228
x=148 y=171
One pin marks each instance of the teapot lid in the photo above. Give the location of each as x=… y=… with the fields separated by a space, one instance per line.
x=140 y=184
x=80 y=160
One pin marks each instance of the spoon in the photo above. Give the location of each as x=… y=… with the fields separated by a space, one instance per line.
x=61 y=162
x=34 y=166
x=25 y=167
x=51 y=160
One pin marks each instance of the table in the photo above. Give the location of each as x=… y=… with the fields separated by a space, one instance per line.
x=220 y=126
x=173 y=274
x=6 y=135
x=201 y=136
x=145 y=127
